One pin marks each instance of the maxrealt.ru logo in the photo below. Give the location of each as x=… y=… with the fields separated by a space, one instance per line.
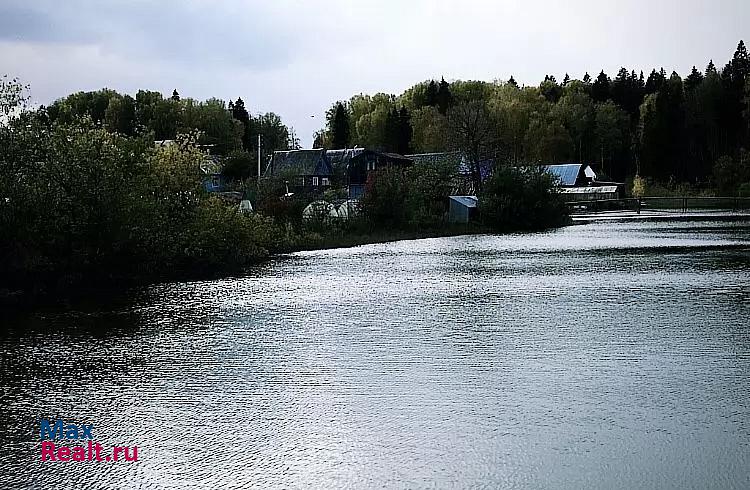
x=81 y=446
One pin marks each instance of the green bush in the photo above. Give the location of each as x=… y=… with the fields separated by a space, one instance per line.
x=80 y=202
x=385 y=197
x=521 y=198
x=414 y=198
x=729 y=174
x=240 y=165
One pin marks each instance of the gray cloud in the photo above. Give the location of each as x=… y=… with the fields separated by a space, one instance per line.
x=296 y=57
x=172 y=32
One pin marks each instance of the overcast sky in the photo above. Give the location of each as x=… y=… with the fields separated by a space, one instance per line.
x=296 y=58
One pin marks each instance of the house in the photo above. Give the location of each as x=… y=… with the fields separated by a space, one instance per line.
x=462 y=209
x=340 y=159
x=213 y=180
x=578 y=182
x=305 y=170
x=364 y=163
x=572 y=174
x=211 y=168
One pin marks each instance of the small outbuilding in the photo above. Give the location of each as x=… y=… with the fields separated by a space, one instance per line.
x=462 y=209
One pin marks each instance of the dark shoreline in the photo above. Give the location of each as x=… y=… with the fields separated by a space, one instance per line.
x=62 y=290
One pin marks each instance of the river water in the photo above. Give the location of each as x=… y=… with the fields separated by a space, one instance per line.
x=602 y=355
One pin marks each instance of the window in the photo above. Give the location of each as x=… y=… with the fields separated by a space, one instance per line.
x=315 y=182
x=326 y=181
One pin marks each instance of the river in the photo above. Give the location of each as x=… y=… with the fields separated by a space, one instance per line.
x=601 y=355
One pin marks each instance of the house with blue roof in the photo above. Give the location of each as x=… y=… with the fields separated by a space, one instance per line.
x=578 y=182
x=572 y=174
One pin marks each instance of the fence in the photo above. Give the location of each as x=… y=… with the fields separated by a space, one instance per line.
x=662 y=204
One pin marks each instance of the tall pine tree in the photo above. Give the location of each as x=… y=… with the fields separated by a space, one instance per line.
x=431 y=94
x=404 y=131
x=340 y=128
x=710 y=68
x=693 y=80
x=655 y=81
x=239 y=112
x=600 y=89
x=444 y=96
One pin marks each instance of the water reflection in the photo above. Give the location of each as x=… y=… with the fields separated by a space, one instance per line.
x=602 y=355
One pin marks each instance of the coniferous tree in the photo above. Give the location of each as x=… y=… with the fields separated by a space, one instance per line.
x=740 y=72
x=340 y=128
x=239 y=112
x=662 y=130
x=444 y=97
x=600 y=89
x=431 y=94
x=621 y=87
x=711 y=68
x=566 y=79
x=740 y=65
x=693 y=80
x=404 y=131
x=655 y=81
x=391 y=130
x=636 y=95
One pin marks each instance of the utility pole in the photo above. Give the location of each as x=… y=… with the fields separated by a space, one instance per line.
x=259 y=158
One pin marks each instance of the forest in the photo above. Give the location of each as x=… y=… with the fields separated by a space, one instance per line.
x=227 y=130
x=673 y=130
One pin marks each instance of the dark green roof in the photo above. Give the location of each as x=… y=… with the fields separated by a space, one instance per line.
x=299 y=162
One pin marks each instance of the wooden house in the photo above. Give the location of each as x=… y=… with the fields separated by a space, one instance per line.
x=362 y=165
x=305 y=170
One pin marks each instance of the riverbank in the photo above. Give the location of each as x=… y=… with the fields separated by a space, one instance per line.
x=345 y=240
x=71 y=287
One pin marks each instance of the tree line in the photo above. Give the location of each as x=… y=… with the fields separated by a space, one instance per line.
x=662 y=126
x=227 y=129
